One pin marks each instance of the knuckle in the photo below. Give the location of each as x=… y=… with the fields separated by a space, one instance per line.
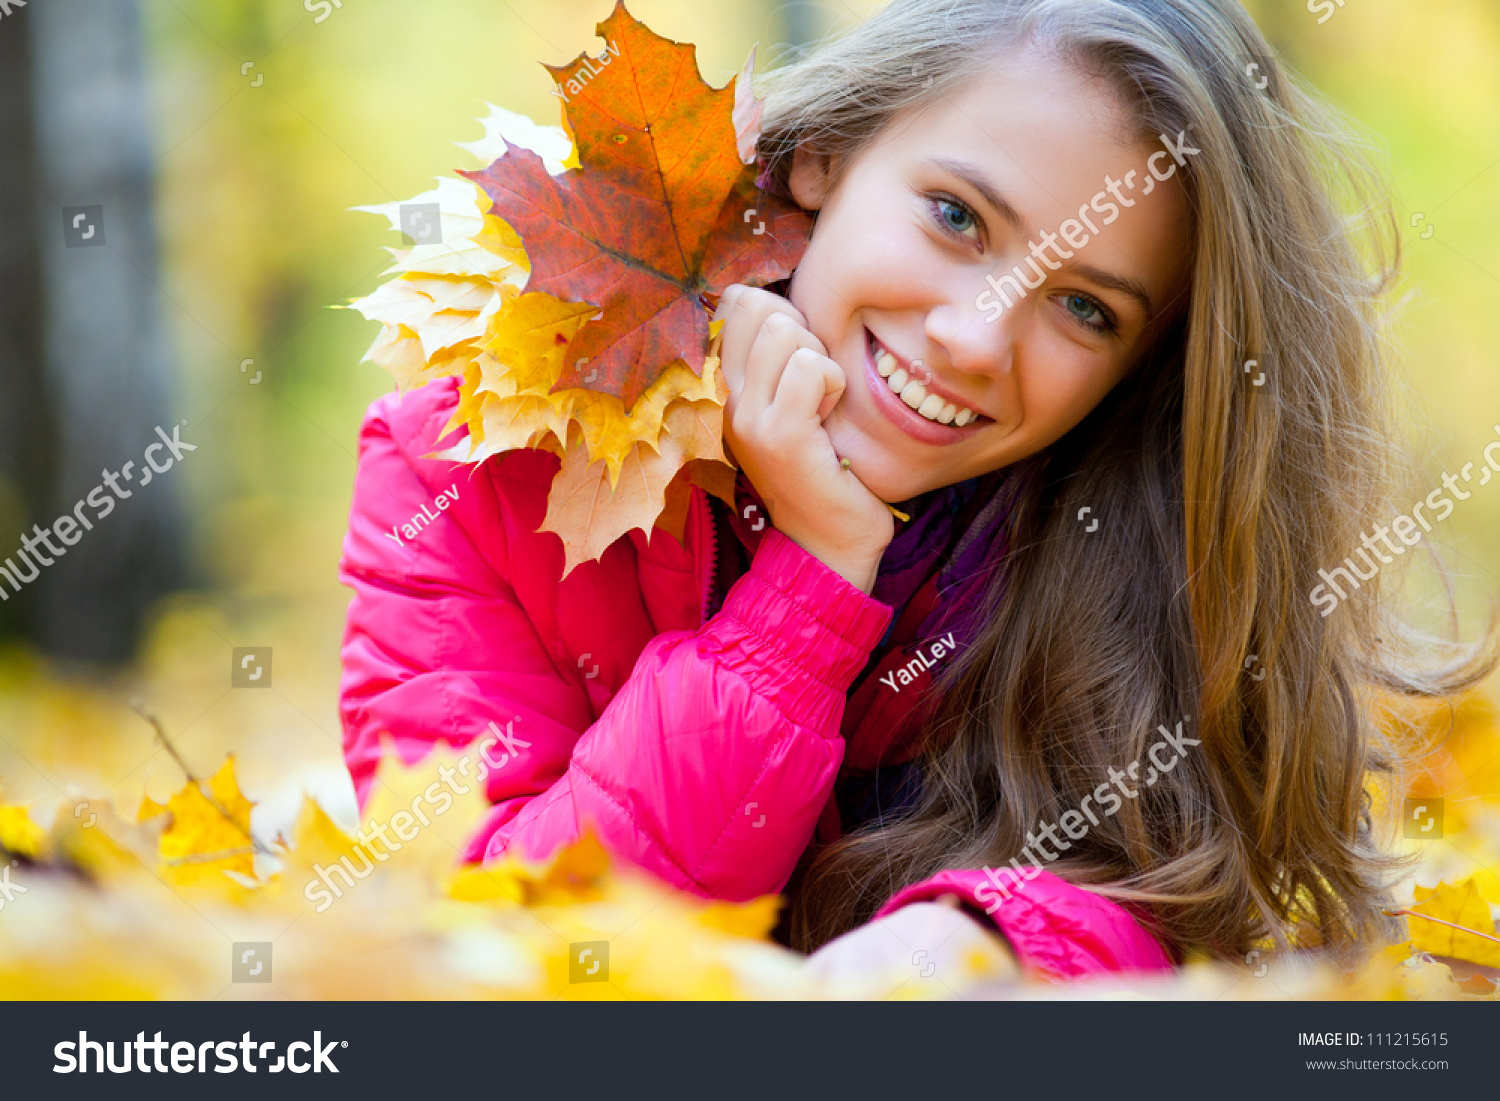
x=805 y=361
x=743 y=423
x=779 y=323
x=733 y=306
x=755 y=354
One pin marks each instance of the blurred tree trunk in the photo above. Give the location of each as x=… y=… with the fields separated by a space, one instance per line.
x=26 y=438
x=84 y=373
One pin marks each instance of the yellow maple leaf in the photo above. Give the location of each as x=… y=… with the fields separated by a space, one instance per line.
x=698 y=427
x=504 y=424
x=19 y=834
x=315 y=837
x=1396 y=974
x=398 y=350
x=209 y=831
x=102 y=846
x=588 y=516
x=754 y=919
x=466 y=242
x=609 y=432
x=439 y=310
x=1461 y=927
x=660 y=942
x=526 y=340
x=508 y=401
x=577 y=873
x=589 y=511
x=496 y=236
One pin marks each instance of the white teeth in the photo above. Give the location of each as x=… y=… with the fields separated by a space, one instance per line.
x=931 y=406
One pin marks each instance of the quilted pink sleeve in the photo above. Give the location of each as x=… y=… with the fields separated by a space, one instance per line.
x=712 y=763
x=1056 y=929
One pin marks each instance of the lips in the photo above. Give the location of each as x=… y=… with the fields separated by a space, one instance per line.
x=912 y=400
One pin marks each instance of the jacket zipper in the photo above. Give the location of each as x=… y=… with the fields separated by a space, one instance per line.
x=713 y=556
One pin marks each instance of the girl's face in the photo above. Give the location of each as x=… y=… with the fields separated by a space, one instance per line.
x=894 y=280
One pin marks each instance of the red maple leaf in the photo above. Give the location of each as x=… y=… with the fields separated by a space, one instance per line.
x=661 y=212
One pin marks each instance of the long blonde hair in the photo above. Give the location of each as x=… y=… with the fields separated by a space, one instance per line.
x=1222 y=500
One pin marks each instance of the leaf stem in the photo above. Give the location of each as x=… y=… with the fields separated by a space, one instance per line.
x=150 y=716
x=1440 y=921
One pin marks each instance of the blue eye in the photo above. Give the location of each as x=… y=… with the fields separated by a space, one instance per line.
x=957 y=217
x=1082 y=308
x=1088 y=313
x=954 y=217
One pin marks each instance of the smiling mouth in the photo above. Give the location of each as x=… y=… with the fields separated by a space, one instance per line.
x=914 y=396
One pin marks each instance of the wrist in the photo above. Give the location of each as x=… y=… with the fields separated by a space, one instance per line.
x=859 y=569
x=862 y=577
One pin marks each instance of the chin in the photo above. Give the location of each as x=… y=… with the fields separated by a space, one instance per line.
x=891 y=489
x=882 y=471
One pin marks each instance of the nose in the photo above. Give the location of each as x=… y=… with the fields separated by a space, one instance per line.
x=971 y=343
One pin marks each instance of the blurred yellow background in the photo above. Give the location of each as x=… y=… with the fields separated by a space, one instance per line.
x=256 y=171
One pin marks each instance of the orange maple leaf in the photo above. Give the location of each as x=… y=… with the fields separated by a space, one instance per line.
x=661 y=211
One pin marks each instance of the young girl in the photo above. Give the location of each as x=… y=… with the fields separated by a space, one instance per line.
x=1081 y=301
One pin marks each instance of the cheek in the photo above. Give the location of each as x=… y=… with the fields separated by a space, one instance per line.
x=861 y=259
x=1060 y=383
x=835 y=273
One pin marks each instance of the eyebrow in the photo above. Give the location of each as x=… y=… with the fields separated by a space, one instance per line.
x=976 y=179
x=1118 y=283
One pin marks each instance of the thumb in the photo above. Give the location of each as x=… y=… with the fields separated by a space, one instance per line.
x=833 y=386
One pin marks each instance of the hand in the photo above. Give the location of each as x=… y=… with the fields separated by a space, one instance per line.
x=935 y=941
x=781 y=387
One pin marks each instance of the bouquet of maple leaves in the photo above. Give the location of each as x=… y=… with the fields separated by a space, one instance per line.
x=575 y=276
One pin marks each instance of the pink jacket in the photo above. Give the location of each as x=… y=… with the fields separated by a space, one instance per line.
x=701 y=749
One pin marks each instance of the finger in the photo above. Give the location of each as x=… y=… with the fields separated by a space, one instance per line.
x=743 y=321
x=727 y=300
x=731 y=366
x=810 y=385
x=766 y=359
